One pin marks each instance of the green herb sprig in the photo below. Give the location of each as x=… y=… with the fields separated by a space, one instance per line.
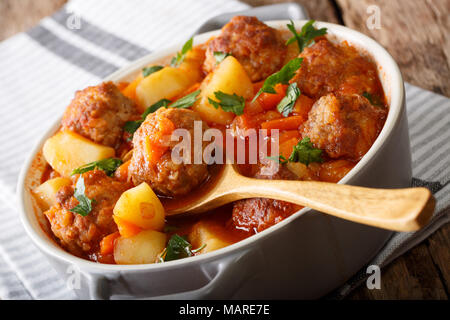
x=306 y=35
x=286 y=105
x=283 y=76
x=181 y=55
x=220 y=56
x=108 y=165
x=187 y=101
x=149 y=70
x=230 y=103
x=132 y=126
x=177 y=248
x=303 y=152
x=84 y=206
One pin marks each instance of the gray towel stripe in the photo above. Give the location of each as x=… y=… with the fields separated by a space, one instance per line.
x=102 y=38
x=70 y=53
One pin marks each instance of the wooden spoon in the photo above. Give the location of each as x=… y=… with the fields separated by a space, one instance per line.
x=395 y=209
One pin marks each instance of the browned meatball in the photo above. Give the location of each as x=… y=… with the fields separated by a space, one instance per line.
x=344 y=125
x=99 y=113
x=255 y=215
x=152 y=154
x=330 y=68
x=259 y=48
x=258 y=214
x=78 y=234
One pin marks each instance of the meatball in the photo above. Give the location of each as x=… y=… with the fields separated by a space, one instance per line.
x=79 y=234
x=258 y=214
x=99 y=113
x=330 y=68
x=344 y=125
x=259 y=48
x=152 y=154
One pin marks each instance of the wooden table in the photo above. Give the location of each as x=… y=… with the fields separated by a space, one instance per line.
x=415 y=32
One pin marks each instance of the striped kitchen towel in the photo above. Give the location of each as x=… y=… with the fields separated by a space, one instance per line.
x=87 y=40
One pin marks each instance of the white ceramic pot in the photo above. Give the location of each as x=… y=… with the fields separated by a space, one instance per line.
x=305 y=256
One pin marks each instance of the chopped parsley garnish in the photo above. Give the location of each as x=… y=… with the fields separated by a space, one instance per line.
x=373 y=99
x=181 y=55
x=283 y=76
x=108 y=165
x=230 y=103
x=132 y=126
x=286 y=104
x=220 y=56
x=306 y=35
x=149 y=70
x=154 y=107
x=303 y=152
x=177 y=248
x=84 y=206
x=186 y=101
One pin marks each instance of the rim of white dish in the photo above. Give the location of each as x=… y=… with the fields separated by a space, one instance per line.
x=394 y=90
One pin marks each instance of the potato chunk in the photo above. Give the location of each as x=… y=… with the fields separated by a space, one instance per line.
x=210 y=234
x=229 y=77
x=45 y=194
x=169 y=81
x=67 y=150
x=141 y=207
x=139 y=249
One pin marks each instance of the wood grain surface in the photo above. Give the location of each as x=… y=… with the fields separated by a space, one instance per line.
x=415 y=32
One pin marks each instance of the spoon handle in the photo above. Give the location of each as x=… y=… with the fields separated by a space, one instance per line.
x=395 y=209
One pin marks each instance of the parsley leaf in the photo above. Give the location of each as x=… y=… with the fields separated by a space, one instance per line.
x=177 y=248
x=373 y=99
x=132 y=126
x=154 y=107
x=230 y=103
x=220 y=56
x=283 y=76
x=84 y=207
x=305 y=153
x=149 y=70
x=186 y=101
x=108 y=165
x=286 y=104
x=179 y=58
x=306 y=36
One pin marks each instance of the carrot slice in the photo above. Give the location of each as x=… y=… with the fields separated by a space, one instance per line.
x=287 y=147
x=269 y=101
x=126 y=229
x=107 y=243
x=289 y=123
x=130 y=90
x=122 y=85
x=122 y=171
x=286 y=135
x=303 y=105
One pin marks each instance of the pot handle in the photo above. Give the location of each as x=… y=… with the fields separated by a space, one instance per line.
x=224 y=279
x=230 y=275
x=282 y=11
